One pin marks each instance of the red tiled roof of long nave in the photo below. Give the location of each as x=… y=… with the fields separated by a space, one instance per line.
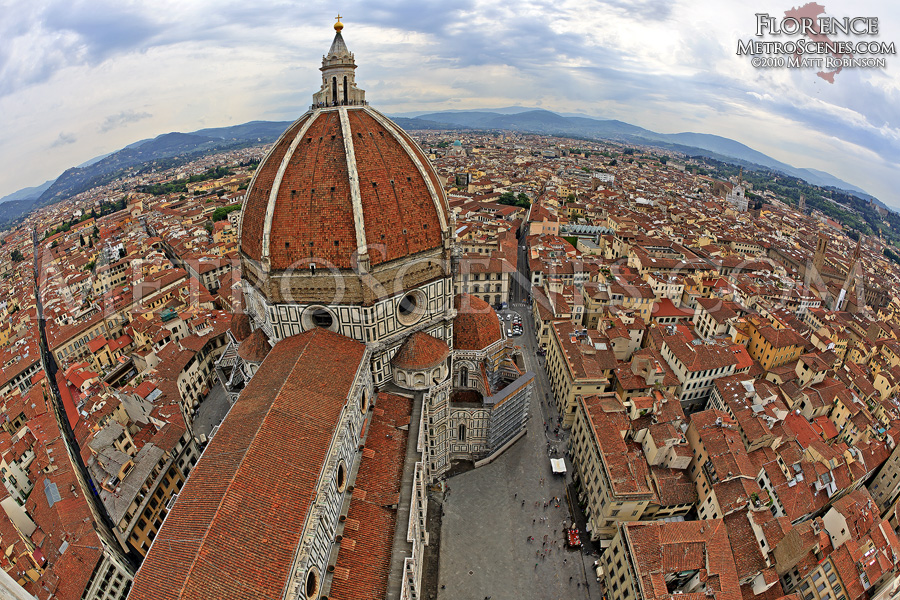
x=364 y=561
x=420 y=351
x=313 y=213
x=476 y=326
x=252 y=490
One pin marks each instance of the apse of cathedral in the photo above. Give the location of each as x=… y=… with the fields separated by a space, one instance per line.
x=354 y=369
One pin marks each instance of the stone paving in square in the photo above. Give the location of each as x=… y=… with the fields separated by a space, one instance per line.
x=484 y=547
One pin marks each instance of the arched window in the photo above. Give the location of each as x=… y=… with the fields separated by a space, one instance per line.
x=464 y=377
x=345 y=89
x=334 y=90
x=462 y=433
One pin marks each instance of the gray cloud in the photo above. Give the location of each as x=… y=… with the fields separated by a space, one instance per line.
x=643 y=10
x=123 y=118
x=563 y=55
x=64 y=139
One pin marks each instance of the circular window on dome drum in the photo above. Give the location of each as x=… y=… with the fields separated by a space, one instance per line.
x=411 y=307
x=311 y=589
x=322 y=318
x=318 y=316
x=340 y=478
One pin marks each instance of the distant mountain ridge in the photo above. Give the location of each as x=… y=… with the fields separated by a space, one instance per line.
x=29 y=192
x=714 y=146
x=100 y=170
x=178 y=146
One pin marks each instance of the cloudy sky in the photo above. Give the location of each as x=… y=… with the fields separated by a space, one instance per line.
x=83 y=78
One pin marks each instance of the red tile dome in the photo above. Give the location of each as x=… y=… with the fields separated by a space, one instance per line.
x=476 y=326
x=254 y=348
x=342 y=180
x=240 y=326
x=420 y=351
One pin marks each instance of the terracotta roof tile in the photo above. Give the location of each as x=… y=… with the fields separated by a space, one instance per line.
x=659 y=549
x=476 y=326
x=240 y=326
x=420 y=351
x=364 y=559
x=236 y=497
x=313 y=214
x=254 y=348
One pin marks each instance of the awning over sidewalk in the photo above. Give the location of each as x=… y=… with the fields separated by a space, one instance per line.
x=558 y=465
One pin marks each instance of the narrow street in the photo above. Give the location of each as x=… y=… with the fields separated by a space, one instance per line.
x=101 y=518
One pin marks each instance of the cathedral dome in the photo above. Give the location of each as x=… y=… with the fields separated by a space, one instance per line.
x=420 y=351
x=254 y=348
x=240 y=326
x=344 y=187
x=477 y=325
x=346 y=227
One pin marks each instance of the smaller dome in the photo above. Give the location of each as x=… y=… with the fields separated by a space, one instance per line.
x=254 y=348
x=420 y=351
x=476 y=326
x=240 y=326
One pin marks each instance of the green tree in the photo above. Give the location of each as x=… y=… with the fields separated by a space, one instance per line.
x=507 y=198
x=221 y=213
x=16 y=256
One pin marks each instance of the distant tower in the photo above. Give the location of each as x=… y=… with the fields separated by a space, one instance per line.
x=736 y=196
x=821 y=247
x=802 y=206
x=851 y=281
